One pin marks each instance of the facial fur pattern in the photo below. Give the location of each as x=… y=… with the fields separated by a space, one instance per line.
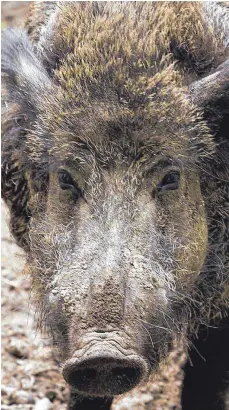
x=101 y=91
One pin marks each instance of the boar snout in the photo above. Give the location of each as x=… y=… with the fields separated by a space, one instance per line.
x=105 y=371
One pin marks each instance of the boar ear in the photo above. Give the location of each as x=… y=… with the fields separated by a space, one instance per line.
x=24 y=77
x=211 y=94
x=24 y=83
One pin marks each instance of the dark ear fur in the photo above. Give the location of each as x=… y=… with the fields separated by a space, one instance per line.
x=14 y=182
x=24 y=83
x=211 y=94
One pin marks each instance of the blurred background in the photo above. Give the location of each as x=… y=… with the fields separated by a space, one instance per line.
x=14 y=12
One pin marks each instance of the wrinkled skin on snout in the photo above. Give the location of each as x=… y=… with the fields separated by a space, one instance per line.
x=121 y=259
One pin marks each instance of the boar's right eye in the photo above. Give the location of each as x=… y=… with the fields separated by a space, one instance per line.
x=67 y=182
x=169 y=182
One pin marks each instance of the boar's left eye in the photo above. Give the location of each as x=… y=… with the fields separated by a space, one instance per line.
x=169 y=182
x=67 y=182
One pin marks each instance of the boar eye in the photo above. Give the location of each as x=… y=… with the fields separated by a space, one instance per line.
x=67 y=182
x=169 y=182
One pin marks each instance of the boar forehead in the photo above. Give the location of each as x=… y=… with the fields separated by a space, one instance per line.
x=108 y=75
x=132 y=102
x=163 y=125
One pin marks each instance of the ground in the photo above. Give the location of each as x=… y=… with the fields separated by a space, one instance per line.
x=31 y=380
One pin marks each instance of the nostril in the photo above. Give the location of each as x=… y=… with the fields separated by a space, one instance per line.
x=88 y=374
x=130 y=373
x=81 y=376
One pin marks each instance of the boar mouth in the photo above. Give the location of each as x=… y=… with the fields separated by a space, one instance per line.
x=106 y=372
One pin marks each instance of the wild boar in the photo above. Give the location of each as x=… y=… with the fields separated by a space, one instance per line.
x=115 y=171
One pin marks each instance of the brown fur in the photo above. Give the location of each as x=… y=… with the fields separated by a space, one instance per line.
x=108 y=91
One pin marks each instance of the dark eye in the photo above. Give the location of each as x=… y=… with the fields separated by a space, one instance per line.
x=169 y=182
x=67 y=182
